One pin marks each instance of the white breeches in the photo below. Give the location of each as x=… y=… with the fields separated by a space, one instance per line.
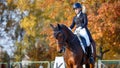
x=82 y=32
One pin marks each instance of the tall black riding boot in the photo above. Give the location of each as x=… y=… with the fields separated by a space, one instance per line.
x=91 y=59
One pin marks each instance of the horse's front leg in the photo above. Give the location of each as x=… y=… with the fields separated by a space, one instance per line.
x=68 y=66
x=77 y=66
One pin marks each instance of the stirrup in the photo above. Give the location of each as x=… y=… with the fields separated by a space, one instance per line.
x=91 y=59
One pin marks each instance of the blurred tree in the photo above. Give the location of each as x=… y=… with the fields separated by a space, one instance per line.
x=9 y=22
x=101 y=53
x=36 y=15
x=4 y=57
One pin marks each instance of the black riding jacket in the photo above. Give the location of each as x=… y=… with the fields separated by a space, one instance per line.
x=80 y=21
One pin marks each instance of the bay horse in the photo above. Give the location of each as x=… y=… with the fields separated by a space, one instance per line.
x=70 y=45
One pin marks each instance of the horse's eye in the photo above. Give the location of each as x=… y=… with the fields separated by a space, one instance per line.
x=60 y=35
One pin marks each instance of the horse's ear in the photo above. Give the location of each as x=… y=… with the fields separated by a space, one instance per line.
x=52 y=26
x=59 y=27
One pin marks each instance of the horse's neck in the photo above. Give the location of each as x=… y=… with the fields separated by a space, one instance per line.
x=70 y=37
x=73 y=43
x=73 y=48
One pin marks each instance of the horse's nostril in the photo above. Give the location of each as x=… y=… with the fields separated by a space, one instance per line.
x=60 y=51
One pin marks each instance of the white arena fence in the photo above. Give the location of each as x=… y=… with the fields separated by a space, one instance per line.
x=108 y=63
x=26 y=64
x=50 y=64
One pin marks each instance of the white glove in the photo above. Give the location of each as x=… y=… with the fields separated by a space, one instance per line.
x=69 y=28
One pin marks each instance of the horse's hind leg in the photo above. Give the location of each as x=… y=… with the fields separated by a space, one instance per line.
x=91 y=65
x=87 y=65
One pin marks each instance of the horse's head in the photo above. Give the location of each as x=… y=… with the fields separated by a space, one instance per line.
x=60 y=35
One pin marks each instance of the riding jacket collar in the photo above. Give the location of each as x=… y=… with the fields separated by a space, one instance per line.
x=78 y=14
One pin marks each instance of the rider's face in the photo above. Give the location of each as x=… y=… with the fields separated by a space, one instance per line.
x=77 y=10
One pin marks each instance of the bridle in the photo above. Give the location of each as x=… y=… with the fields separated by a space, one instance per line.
x=56 y=33
x=63 y=43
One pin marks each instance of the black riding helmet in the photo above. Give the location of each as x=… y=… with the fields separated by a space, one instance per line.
x=77 y=5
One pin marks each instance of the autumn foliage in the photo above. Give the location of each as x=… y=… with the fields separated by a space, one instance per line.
x=104 y=27
x=103 y=23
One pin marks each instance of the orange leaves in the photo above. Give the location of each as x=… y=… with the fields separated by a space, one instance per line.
x=106 y=25
x=103 y=8
x=110 y=11
x=117 y=10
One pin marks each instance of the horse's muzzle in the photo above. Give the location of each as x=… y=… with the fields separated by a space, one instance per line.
x=62 y=50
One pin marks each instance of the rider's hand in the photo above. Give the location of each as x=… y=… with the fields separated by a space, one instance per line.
x=69 y=28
